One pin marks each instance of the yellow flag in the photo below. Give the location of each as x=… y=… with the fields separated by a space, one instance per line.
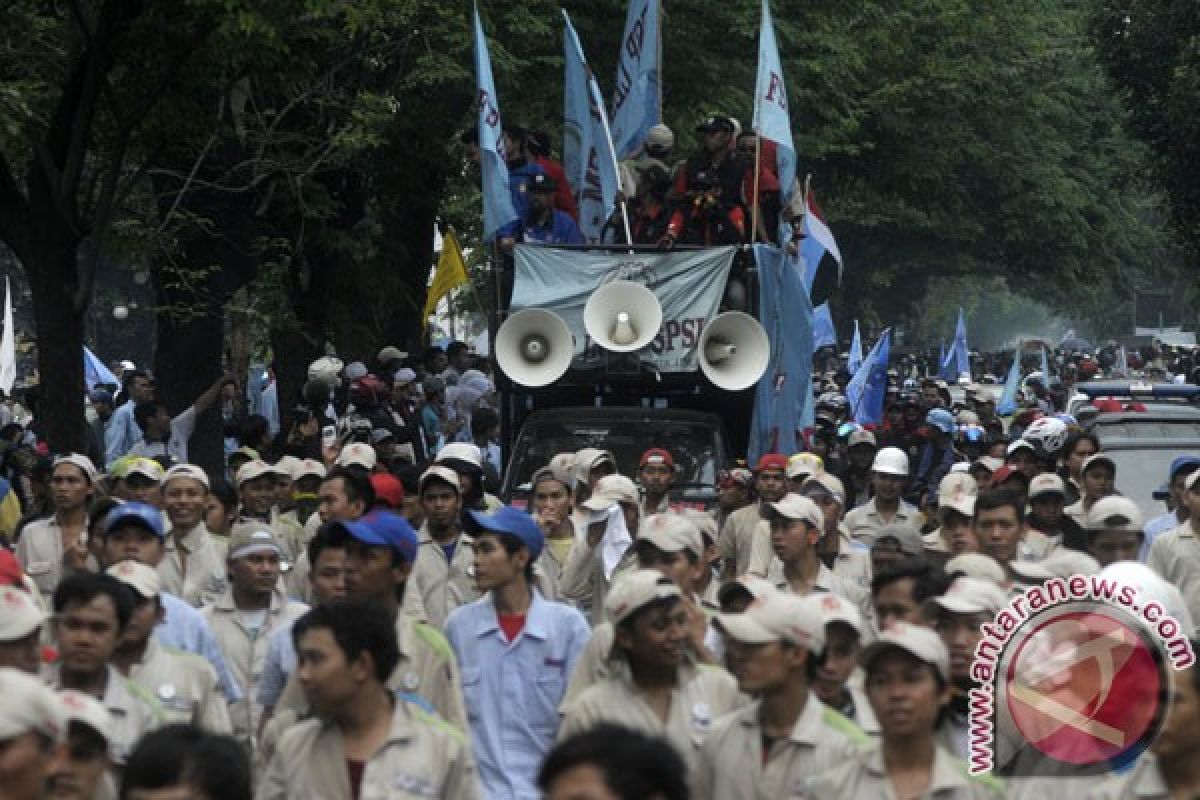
x=451 y=273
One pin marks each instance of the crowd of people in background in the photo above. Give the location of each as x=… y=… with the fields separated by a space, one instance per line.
x=347 y=610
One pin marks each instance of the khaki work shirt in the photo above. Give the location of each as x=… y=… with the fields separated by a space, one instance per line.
x=732 y=766
x=193 y=567
x=862 y=522
x=1176 y=557
x=40 y=551
x=701 y=696
x=245 y=651
x=864 y=776
x=134 y=712
x=737 y=536
x=185 y=686
x=443 y=584
x=423 y=757
x=427 y=672
x=582 y=580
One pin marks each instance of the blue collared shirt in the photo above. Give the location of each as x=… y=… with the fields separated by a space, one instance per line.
x=121 y=433
x=278 y=666
x=513 y=689
x=184 y=628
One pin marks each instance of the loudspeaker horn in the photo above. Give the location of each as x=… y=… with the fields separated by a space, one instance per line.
x=622 y=316
x=534 y=347
x=734 y=351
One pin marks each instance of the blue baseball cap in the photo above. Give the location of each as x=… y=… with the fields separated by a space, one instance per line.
x=1182 y=463
x=941 y=419
x=143 y=514
x=514 y=522
x=383 y=529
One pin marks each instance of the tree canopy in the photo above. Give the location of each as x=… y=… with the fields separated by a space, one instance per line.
x=306 y=149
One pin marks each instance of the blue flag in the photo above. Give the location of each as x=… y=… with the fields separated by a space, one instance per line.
x=962 y=356
x=868 y=388
x=824 y=334
x=783 y=401
x=635 y=107
x=94 y=371
x=856 y=357
x=1008 y=399
x=771 y=119
x=497 y=199
x=588 y=157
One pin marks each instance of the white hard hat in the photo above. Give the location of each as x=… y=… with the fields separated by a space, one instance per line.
x=891 y=461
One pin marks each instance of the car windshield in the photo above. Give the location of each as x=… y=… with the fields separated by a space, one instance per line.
x=1141 y=472
x=692 y=444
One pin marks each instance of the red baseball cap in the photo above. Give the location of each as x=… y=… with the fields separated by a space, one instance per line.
x=389 y=491
x=1006 y=472
x=656 y=455
x=772 y=461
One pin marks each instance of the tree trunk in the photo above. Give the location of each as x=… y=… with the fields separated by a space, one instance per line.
x=59 y=329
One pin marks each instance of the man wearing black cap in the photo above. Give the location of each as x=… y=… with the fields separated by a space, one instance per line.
x=542 y=223
x=708 y=191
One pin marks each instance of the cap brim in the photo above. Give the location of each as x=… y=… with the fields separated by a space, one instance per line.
x=966 y=506
x=361 y=533
x=881 y=646
x=744 y=629
x=958 y=606
x=889 y=471
x=19 y=628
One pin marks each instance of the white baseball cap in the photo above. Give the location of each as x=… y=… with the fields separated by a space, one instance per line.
x=917 y=640
x=83 y=462
x=635 y=590
x=671 y=533
x=20 y=615
x=460 y=451
x=357 y=454
x=27 y=704
x=957 y=491
x=835 y=608
x=798 y=507
x=81 y=707
x=440 y=473
x=142 y=579
x=611 y=489
x=186 y=471
x=1046 y=483
x=971 y=596
x=777 y=618
x=977 y=565
x=1114 y=513
x=252 y=470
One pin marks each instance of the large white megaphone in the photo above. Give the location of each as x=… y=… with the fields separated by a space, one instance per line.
x=534 y=347
x=734 y=351
x=622 y=316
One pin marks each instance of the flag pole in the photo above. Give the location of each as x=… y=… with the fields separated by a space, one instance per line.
x=659 y=59
x=754 y=201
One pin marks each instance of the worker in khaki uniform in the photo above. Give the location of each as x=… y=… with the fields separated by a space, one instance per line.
x=85 y=773
x=1176 y=555
x=908 y=683
x=441 y=572
x=380 y=549
x=255 y=482
x=32 y=733
x=605 y=551
x=770 y=748
x=193 y=566
x=838 y=680
x=552 y=487
x=656 y=687
x=50 y=549
x=745 y=526
x=846 y=558
x=185 y=685
x=366 y=742
x=343 y=494
x=244 y=616
x=673 y=545
x=92 y=612
x=889 y=477
x=656 y=470
x=285 y=520
x=788 y=556
x=955 y=509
